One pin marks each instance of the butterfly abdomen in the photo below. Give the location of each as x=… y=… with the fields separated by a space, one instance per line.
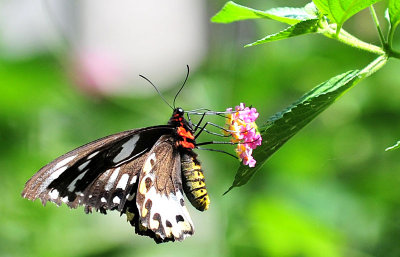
x=194 y=184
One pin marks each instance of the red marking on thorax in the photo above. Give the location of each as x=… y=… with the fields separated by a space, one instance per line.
x=186 y=144
x=185 y=135
x=177 y=118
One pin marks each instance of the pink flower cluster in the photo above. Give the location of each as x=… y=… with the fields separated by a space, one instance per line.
x=243 y=129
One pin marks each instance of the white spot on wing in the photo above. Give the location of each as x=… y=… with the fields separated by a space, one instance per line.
x=64 y=162
x=116 y=200
x=103 y=200
x=54 y=194
x=133 y=180
x=147 y=165
x=130 y=197
x=57 y=173
x=169 y=207
x=123 y=181
x=127 y=149
x=111 y=180
x=83 y=165
x=51 y=178
x=71 y=187
x=93 y=155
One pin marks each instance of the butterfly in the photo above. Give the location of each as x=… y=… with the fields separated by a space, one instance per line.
x=143 y=173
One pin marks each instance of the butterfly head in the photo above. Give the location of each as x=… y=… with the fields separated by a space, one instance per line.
x=179 y=112
x=184 y=130
x=177 y=118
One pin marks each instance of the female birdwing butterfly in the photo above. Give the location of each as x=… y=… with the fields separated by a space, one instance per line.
x=142 y=173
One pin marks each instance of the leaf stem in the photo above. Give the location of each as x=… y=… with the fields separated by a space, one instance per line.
x=393 y=147
x=378 y=27
x=373 y=67
x=348 y=39
x=390 y=36
x=394 y=54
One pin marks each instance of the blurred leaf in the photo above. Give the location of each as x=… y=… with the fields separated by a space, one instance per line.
x=41 y=84
x=290 y=230
x=339 y=11
x=393 y=147
x=394 y=13
x=301 y=28
x=284 y=125
x=234 y=12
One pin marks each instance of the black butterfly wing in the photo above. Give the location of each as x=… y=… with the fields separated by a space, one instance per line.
x=113 y=188
x=98 y=174
x=160 y=207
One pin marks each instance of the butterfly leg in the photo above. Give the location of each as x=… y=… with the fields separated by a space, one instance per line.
x=203 y=128
x=200 y=121
x=188 y=117
x=216 y=143
x=216 y=150
x=208 y=112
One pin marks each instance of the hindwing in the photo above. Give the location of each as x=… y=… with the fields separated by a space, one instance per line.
x=162 y=213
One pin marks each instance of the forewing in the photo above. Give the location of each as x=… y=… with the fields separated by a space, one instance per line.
x=162 y=213
x=93 y=173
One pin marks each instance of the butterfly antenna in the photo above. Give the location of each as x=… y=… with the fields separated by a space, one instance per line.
x=158 y=91
x=184 y=82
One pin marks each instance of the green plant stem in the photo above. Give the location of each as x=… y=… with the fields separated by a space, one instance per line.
x=386 y=44
x=368 y=70
x=378 y=27
x=394 y=54
x=348 y=39
x=390 y=36
x=373 y=67
x=389 y=49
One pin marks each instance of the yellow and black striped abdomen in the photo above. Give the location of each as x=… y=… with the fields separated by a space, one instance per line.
x=194 y=185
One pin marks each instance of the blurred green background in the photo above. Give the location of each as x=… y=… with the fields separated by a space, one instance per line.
x=330 y=191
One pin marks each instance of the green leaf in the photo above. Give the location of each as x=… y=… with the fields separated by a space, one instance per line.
x=338 y=11
x=394 y=13
x=298 y=14
x=284 y=125
x=396 y=146
x=234 y=12
x=387 y=15
x=301 y=28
